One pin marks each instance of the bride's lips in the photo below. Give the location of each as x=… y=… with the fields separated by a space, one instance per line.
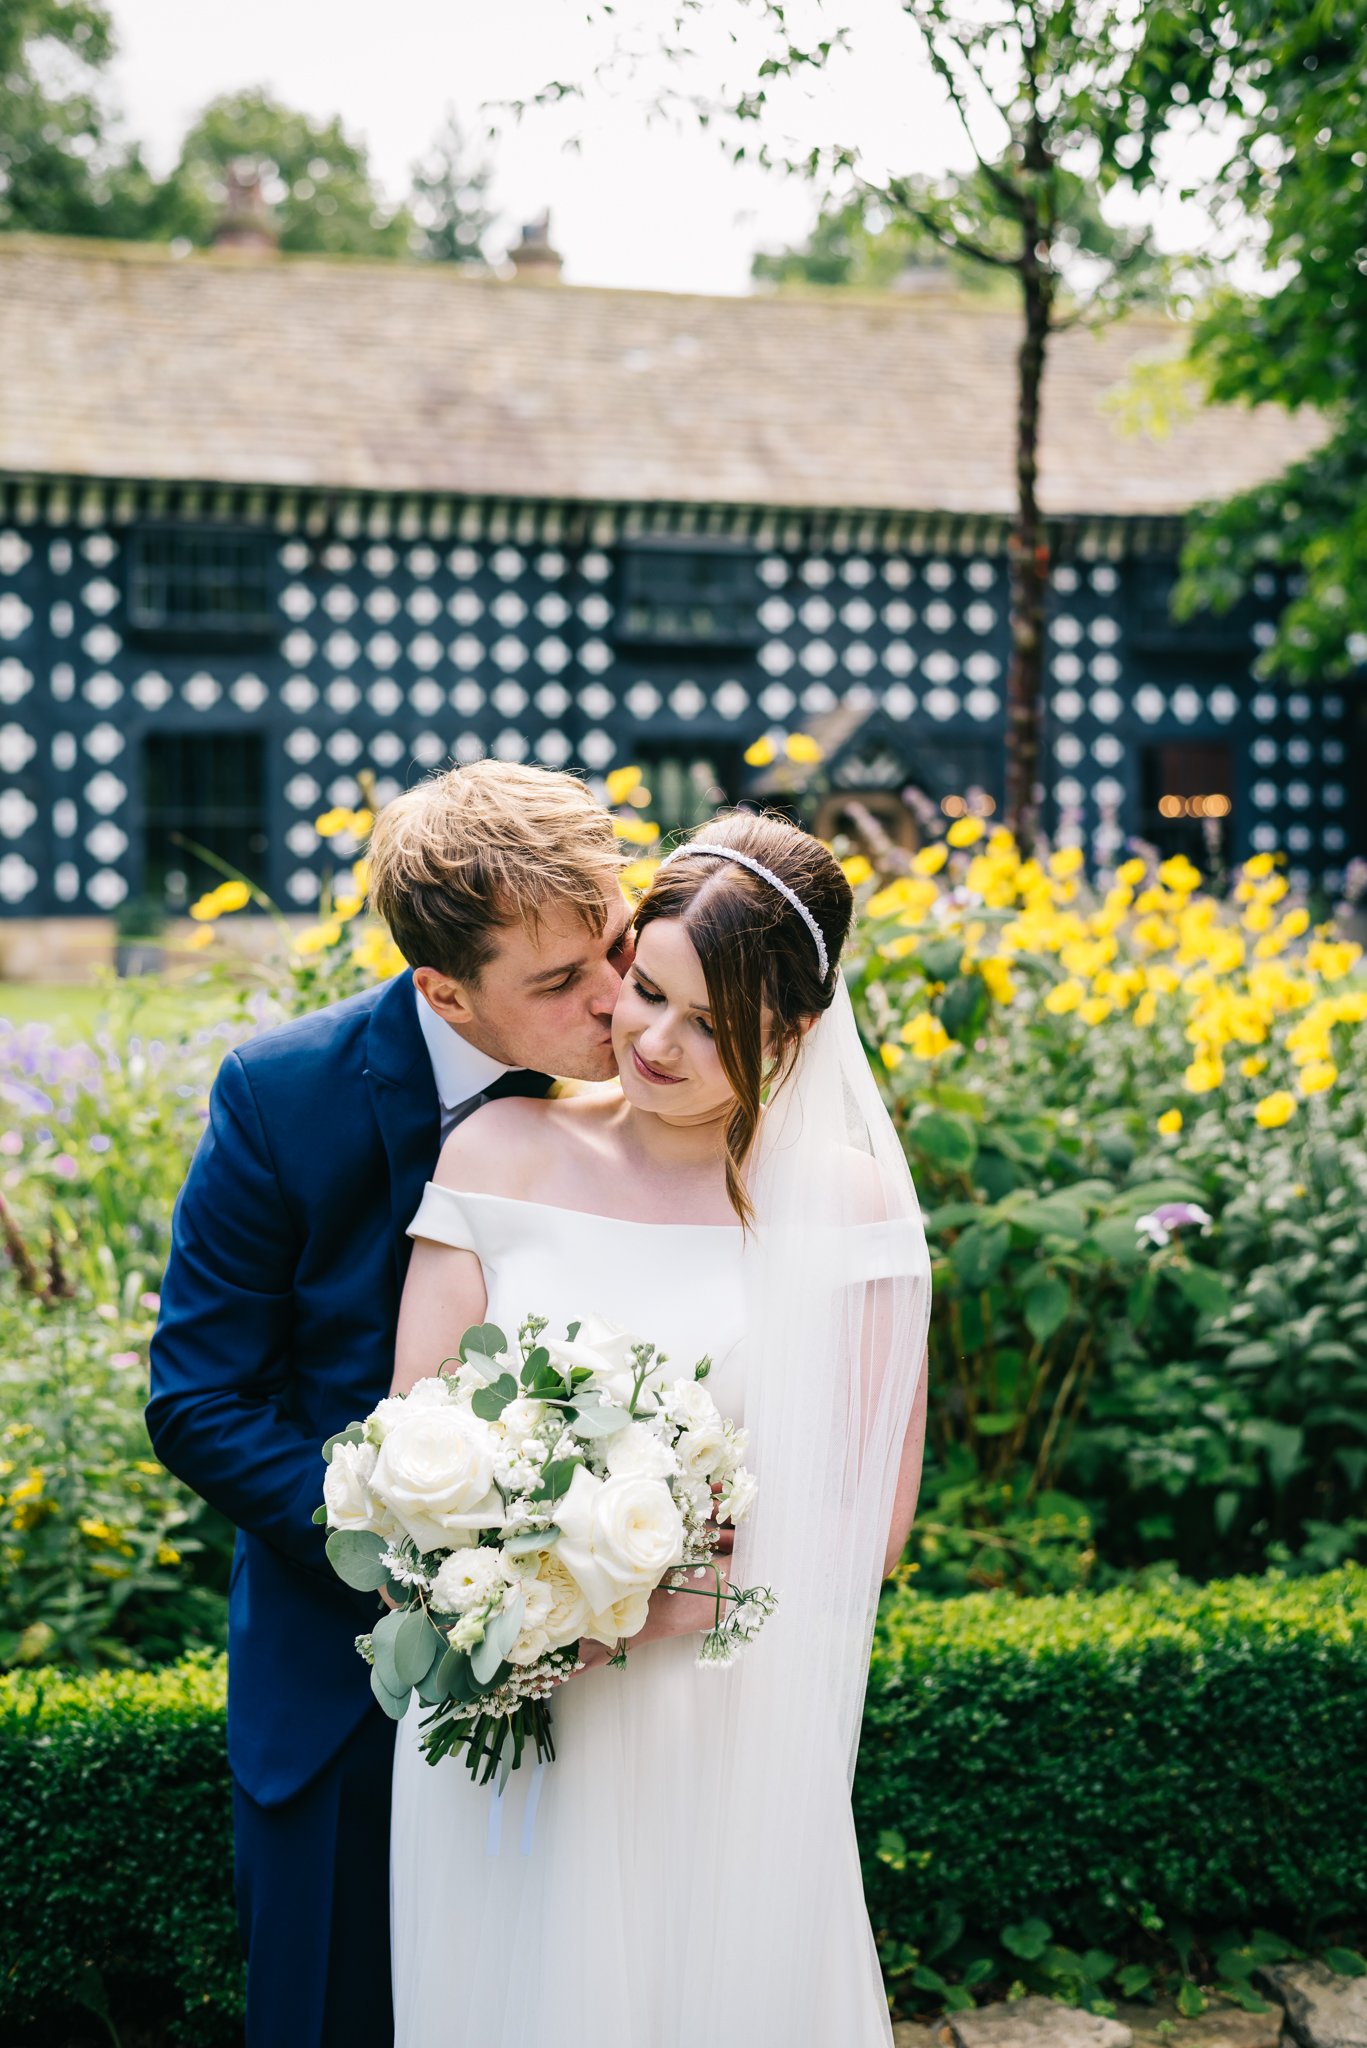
x=653 y=1073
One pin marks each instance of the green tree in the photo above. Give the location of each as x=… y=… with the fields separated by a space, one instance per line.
x=1046 y=96
x=448 y=199
x=62 y=169
x=316 y=180
x=1292 y=76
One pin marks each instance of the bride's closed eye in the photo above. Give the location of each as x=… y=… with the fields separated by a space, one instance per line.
x=649 y=995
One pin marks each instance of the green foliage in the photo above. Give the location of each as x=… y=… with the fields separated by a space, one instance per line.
x=316 y=178
x=116 y=1855
x=449 y=201
x=1027 y=1780
x=1030 y=1770
x=1294 y=180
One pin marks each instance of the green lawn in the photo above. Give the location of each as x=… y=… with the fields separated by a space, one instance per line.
x=150 y=1004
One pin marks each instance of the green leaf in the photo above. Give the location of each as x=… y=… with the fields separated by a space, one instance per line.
x=533 y=1363
x=354 y=1433
x=354 y=1555
x=1046 y=1305
x=555 y=1478
x=417 y=1646
x=949 y=1139
x=938 y=959
x=499 y=1637
x=488 y=1402
x=598 y=1418
x=528 y=1540
x=1027 y=1939
x=395 y=1704
x=484 y=1348
x=1117 y=1240
x=979 y=1252
x=383 y=1639
x=1346 y=1961
x=1190 y=2001
x=1204 y=1289
x=963 y=1007
x=1051 y=1216
x=993 y=1425
x=319 y=1517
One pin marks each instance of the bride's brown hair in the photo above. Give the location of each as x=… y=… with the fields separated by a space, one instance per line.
x=758 y=955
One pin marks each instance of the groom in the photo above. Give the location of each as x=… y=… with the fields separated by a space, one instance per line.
x=278 y=1314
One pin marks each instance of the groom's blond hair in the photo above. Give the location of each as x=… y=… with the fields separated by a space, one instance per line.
x=491 y=844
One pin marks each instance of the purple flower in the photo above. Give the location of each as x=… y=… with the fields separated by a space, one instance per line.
x=1159 y=1225
x=124 y=1358
x=11 y=1143
x=101 y=1142
x=65 y=1165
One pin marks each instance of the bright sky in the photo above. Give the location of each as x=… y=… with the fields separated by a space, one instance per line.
x=637 y=205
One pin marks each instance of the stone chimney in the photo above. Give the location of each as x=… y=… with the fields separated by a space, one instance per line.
x=246 y=223
x=533 y=257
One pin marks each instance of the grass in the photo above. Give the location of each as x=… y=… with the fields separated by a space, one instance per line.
x=151 y=1004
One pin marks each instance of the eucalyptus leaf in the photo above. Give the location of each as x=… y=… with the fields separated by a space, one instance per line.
x=488 y=1402
x=383 y=1640
x=533 y=1363
x=416 y=1646
x=484 y=1347
x=555 y=1479
x=319 y=1517
x=499 y=1637
x=598 y=1418
x=354 y=1433
x=395 y=1704
x=354 y=1555
x=528 y=1540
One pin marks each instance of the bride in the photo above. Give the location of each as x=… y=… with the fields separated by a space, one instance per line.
x=685 y=1873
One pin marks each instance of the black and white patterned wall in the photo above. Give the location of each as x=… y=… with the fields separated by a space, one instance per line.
x=416 y=635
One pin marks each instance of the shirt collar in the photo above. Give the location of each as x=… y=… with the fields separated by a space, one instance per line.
x=459 y=1069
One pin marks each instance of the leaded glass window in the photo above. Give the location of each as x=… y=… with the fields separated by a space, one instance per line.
x=696 y=596
x=197 y=586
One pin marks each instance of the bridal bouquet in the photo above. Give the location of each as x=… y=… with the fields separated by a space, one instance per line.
x=527 y=1500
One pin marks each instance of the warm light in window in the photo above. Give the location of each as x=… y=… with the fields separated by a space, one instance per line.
x=953 y=806
x=1213 y=806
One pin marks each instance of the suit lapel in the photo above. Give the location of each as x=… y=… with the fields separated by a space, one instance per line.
x=403 y=1094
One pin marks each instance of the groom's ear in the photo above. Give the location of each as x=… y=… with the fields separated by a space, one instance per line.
x=446 y=997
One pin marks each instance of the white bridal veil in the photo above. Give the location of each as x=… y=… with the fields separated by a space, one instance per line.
x=838 y=1308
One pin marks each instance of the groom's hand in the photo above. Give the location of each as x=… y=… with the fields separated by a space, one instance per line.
x=389 y=1599
x=725 y=1533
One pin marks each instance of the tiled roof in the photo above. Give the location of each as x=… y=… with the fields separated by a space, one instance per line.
x=130 y=362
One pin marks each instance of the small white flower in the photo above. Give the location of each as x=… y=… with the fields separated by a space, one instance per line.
x=737 y=1495
x=466 y=1579
x=636 y=1452
x=346 y=1489
x=432 y=1392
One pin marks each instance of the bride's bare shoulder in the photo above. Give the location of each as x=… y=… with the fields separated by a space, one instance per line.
x=507 y=1147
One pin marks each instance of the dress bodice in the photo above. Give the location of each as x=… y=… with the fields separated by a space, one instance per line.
x=678 y=1286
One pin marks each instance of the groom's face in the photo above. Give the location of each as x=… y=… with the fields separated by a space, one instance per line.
x=545 y=999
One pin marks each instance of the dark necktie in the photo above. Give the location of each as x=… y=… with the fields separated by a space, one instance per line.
x=517 y=1081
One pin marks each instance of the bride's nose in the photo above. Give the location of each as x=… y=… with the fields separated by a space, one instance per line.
x=659 y=1047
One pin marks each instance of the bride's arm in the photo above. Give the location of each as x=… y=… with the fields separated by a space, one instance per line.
x=443 y=1296
x=908 y=1474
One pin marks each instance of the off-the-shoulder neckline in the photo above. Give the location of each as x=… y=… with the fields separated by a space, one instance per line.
x=587 y=1215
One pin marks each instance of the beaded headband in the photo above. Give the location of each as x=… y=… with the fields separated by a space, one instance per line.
x=766 y=875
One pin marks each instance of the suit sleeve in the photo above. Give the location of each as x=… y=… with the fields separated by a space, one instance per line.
x=218 y=1414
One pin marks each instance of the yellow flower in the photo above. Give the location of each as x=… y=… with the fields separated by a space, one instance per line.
x=1315 y=1079
x=318 y=937
x=377 y=953
x=856 y=870
x=30 y=1488
x=996 y=972
x=1332 y=959
x=801 y=747
x=167 y=1553
x=361 y=822
x=1259 y=867
x=907 y=895
x=760 y=754
x=638 y=875
x=1096 y=1009
x=348 y=906
x=233 y=895
x=360 y=877
x=900 y=949
x=98 y=1531
x=197 y=941
x=1063 y=997
x=1146 y=1009
x=892 y=1056
x=1275 y=1110
x=1179 y=874
x=333 y=822
x=1258 y=917
x=1204 y=1074
x=925 y=1034
x=622 y=783
x=1170 y=1123
x=1253 y=1065
x=930 y=859
x=1066 y=863
x=636 y=831
x=207 y=908
x=149 y=1466
x=1131 y=874
x=1162 y=978
x=965 y=832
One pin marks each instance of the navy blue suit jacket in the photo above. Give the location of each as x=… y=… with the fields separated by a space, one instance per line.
x=278 y=1314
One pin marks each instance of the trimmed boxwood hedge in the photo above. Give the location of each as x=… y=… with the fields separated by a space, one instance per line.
x=1105 y=1763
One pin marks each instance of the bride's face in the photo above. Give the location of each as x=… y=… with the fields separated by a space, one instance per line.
x=662 y=1031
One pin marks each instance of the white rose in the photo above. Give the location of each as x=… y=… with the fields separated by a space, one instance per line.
x=688 y=1402
x=569 y=1610
x=521 y=1418
x=435 y=1472
x=703 y=1452
x=637 y=1453
x=465 y=1579
x=605 y=1350
x=738 y=1495
x=534 y=1639
x=617 y=1535
x=346 y=1489
x=624 y=1618
x=432 y=1392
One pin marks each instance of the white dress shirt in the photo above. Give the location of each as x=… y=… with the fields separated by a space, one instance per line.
x=459 y=1069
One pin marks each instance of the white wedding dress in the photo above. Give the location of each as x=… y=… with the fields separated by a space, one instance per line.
x=583 y=1907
